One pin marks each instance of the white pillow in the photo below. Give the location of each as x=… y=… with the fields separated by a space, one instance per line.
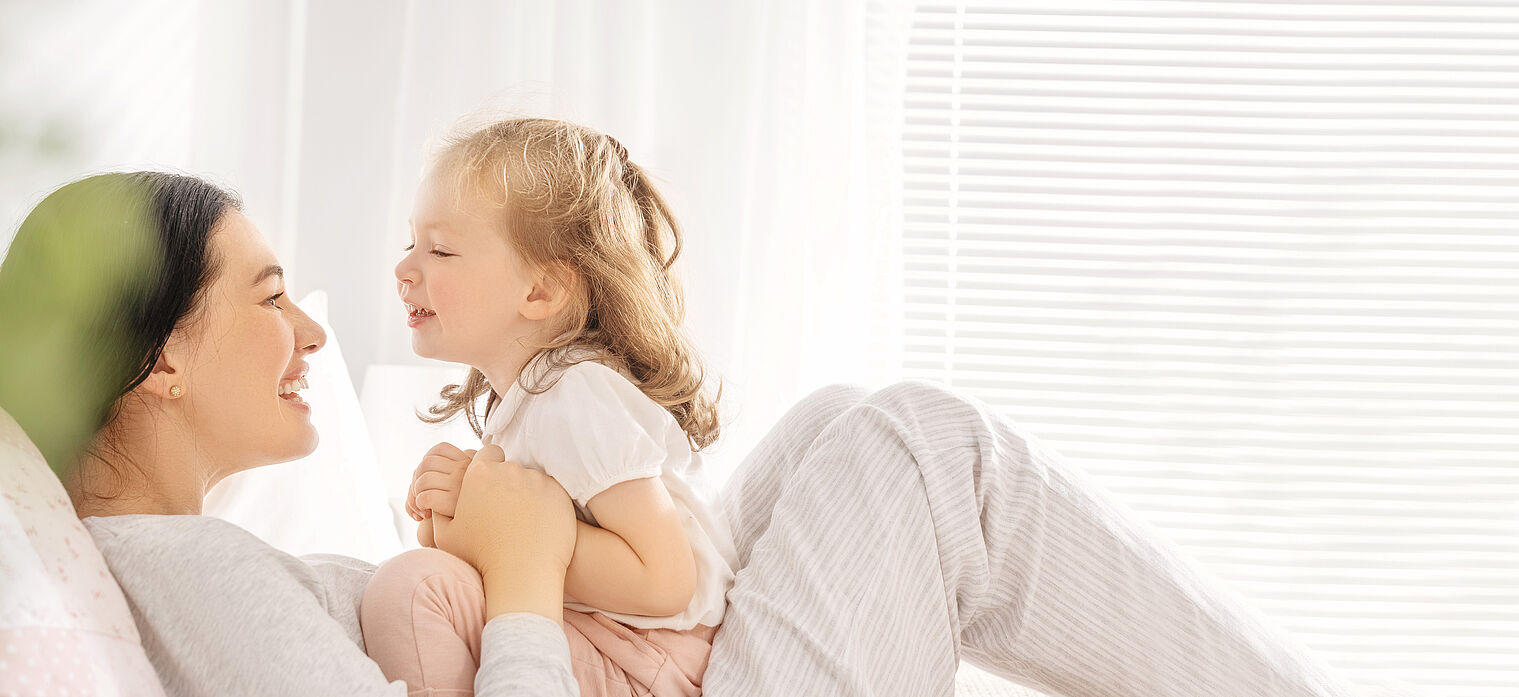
x=331 y=501
x=391 y=397
x=64 y=624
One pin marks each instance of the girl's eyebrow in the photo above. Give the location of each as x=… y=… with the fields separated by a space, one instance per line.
x=270 y=270
x=431 y=227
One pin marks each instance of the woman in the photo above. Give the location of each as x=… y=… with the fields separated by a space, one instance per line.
x=883 y=537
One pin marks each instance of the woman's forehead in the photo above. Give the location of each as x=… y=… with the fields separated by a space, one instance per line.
x=246 y=256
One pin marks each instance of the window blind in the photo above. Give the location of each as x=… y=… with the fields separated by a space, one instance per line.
x=1255 y=266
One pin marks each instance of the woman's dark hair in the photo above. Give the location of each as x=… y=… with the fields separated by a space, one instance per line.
x=98 y=276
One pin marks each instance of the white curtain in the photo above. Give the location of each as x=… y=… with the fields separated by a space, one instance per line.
x=771 y=125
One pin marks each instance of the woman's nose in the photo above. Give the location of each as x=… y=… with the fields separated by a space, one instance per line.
x=309 y=336
x=316 y=338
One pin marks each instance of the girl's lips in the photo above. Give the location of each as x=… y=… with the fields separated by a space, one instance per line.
x=295 y=401
x=416 y=315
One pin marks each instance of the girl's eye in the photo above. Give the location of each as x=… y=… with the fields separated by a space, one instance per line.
x=270 y=301
x=434 y=252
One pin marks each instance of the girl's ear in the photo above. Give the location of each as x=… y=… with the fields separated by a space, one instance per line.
x=551 y=291
x=166 y=380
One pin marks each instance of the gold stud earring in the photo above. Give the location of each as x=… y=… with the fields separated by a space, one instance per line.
x=175 y=391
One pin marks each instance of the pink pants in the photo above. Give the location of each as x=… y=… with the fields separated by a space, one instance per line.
x=424 y=610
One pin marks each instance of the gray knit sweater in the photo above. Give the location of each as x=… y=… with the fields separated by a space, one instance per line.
x=223 y=613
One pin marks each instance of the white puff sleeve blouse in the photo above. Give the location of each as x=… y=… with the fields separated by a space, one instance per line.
x=593 y=429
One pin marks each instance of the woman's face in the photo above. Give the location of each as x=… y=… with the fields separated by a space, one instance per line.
x=234 y=360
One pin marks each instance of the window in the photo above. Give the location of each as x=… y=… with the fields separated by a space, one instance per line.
x=1255 y=266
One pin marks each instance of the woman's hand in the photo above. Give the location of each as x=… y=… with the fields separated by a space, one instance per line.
x=517 y=527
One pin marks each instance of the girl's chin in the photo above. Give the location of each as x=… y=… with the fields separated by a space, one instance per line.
x=422 y=347
x=429 y=350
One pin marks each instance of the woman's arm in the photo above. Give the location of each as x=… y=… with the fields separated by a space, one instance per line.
x=223 y=613
x=638 y=562
x=517 y=527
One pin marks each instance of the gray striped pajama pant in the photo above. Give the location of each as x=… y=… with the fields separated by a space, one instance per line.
x=886 y=536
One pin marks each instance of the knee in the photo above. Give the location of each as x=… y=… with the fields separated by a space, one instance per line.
x=827 y=403
x=921 y=401
x=930 y=417
x=398 y=578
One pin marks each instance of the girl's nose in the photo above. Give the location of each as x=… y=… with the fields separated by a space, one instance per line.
x=405 y=272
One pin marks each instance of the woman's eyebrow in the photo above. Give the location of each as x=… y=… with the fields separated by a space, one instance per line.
x=270 y=270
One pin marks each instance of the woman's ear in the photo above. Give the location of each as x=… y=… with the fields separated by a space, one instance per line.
x=551 y=292
x=166 y=380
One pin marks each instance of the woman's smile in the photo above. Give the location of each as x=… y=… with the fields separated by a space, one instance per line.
x=290 y=392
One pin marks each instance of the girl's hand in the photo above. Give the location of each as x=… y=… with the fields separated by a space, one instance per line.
x=435 y=483
x=508 y=513
x=424 y=532
x=517 y=527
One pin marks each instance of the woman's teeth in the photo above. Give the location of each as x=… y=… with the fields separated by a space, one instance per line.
x=288 y=389
x=415 y=311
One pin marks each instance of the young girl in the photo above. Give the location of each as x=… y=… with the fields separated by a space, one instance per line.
x=541 y=257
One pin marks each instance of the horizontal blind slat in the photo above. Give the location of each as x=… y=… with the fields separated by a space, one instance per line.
x=1254 y=267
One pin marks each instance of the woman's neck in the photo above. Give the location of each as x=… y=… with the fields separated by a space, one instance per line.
x=128 y=478
x=87 y=503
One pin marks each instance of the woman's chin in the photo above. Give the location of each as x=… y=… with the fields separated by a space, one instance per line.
x=299 y=444
x=301 y=447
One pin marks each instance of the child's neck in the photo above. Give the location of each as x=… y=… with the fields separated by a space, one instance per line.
x=509 y=364
x=502 y=373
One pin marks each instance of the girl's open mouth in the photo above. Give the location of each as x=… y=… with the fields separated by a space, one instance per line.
x=416 y=315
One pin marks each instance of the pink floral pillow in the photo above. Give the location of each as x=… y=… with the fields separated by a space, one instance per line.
x=64 y=625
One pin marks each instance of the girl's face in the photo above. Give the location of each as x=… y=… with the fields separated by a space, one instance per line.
x=233 y=360
x=461 y=283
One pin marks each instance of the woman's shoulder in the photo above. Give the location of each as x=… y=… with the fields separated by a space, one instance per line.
x=164 y=545
x=166 y=530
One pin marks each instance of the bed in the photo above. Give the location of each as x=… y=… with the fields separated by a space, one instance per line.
x=64 y=625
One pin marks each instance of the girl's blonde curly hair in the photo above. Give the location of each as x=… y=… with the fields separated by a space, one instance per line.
x=569 y=197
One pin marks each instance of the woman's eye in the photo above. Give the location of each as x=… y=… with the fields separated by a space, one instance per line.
x=438 y=253
x=408 y=247
x=271 y=300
